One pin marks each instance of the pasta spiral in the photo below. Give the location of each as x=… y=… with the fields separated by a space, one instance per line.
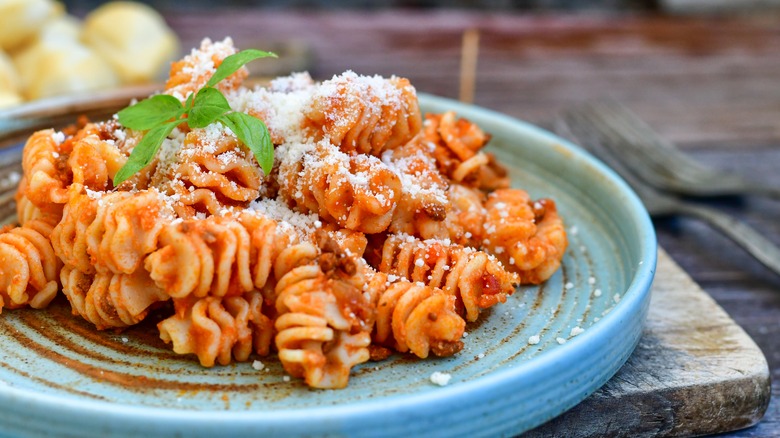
x=528 y=236
x=109 y=232
x=94 y=161
x=363 y=114
x=218 y=329
x=323 y=326
x=211 y=171
x=202 y=257
x=69 y=237
x=457 y=149
x=45 y=168
x=466 y=215
x=422 y=206
x=477 y=280
x=216 y=269
x=219 y=256
x=191 y=73
x=274 y=250
x=357 y=192
x=420 y=319
x=29 y=267
x=110 y=300
x=27 y=211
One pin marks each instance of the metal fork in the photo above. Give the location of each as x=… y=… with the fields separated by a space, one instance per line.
x=583 y=129
x=658 y=161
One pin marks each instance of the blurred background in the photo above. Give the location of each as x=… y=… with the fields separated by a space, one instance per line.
x=78 y=5
x=50 y=48
x=673 y=6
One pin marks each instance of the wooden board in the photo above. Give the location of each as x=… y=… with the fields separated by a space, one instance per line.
x=694 y=372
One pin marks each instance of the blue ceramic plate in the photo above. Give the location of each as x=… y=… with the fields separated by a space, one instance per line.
x=59 y=376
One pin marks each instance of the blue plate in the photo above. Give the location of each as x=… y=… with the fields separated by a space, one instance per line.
x=58 y=375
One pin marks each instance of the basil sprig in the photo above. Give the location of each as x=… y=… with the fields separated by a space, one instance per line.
x=160 y=114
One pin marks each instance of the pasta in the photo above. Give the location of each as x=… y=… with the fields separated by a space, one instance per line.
x=374 y=114
x=420 y=319
x=422 y=206
x=93 y=161
x=528 y=236
x=110 y=300
x=323 y=326
x=457 y=149
x=373 y=233
x=191 y=73
x=30 y=268
x=357 y=192
x=475 y=278
x=465 y=221
x=45 y=183
x=218 y=330
x=209 y=172
x=109 y=232
x=209 y=257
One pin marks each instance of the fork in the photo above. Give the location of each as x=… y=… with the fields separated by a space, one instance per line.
x=582 y=129
x=659 y=162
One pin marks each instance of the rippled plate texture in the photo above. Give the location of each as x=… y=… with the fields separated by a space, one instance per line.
x=58 y=375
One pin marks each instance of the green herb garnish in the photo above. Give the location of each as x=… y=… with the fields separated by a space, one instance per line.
x=160 y=114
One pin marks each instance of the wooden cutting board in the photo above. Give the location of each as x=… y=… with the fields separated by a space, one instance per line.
x=694 y=372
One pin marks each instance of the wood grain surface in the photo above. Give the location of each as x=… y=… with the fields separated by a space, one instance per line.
x=688 y=376
x=710 y=84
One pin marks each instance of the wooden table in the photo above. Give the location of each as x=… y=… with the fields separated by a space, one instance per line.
x=710 y=85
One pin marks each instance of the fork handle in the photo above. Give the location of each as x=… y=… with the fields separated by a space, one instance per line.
x=743 y=234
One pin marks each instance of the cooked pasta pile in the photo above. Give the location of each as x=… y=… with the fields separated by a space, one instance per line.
x=377 y=230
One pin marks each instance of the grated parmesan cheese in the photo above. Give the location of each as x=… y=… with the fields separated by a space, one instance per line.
x=441 y=379
x=277 y=210
x=58 y=137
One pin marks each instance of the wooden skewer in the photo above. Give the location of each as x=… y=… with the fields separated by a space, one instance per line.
x=468 y=65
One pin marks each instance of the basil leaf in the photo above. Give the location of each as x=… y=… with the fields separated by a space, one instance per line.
x=235 y=61
x=254 y=134
x=188 y=102
x=208 y=105
x=144 y=151
x=150 y=112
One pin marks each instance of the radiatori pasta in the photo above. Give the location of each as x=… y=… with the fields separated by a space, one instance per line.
x=377 y=231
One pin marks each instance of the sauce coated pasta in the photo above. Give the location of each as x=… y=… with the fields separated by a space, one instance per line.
x=378 y=229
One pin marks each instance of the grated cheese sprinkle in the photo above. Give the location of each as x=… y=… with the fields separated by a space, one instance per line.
x=441 y=379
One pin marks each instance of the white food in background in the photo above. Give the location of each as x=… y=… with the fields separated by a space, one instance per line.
x=52 y=67
x=9 y=82
x=21 y=20
x=133 y=38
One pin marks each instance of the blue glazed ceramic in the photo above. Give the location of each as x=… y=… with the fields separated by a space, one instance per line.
x=59 y=376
